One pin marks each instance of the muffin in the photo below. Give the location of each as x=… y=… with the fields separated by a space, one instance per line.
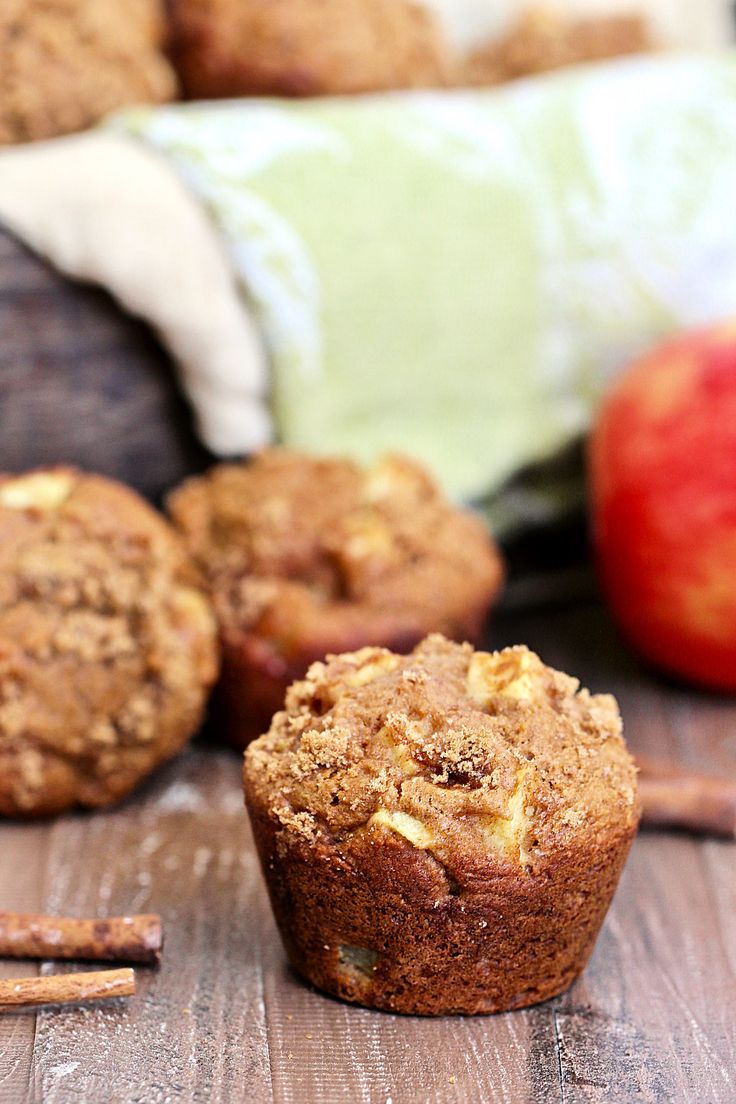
x=108 y=645
x=304 y=47
x=307 y=556
x=441 y=832
x=66 y=63
x=545 y=39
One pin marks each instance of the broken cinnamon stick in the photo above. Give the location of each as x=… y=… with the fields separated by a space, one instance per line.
x=118 y=939
x=66 y=988
x=675 y=797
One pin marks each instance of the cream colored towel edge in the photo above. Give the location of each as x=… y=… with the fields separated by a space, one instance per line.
x=103 y=209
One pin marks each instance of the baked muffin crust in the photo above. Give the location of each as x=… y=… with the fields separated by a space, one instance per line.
x=107 y=642
x=478 y=806
x=307 y=556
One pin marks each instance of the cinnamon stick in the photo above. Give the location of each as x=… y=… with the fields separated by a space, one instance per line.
x=66 y=988
x=675 y=797
x=118 y=939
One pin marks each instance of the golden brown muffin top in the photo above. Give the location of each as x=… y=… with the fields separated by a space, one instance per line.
x=107 y=644
x=66 y=63
x=305 y=47
x=472 y=756
x=298 y=547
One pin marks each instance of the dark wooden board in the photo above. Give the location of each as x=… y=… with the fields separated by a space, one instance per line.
x=81 y=382
x=652 y=1019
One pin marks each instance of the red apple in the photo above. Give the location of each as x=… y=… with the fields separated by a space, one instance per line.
x=662 y=473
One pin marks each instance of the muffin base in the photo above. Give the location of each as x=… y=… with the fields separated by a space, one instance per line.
x=379 y=923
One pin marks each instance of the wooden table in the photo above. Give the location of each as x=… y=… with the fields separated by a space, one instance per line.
x=653 y=1018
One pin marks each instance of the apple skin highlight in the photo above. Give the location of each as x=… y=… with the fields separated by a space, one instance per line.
x=662 y=480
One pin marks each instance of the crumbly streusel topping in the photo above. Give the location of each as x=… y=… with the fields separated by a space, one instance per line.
x=459 y=752
x=293 y=544
x=107 y=644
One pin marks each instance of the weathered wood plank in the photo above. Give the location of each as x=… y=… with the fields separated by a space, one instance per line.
x=652 y=1017
x=83 y=383
x=196 y=1030
x=324 y=1050
x=23 y=850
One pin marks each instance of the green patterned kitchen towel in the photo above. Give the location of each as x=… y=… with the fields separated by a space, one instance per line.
x=457 y=274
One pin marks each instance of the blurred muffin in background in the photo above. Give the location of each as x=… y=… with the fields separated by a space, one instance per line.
x=473 y=24
x=317 y=47
x=66 y=63
x=305 y=47
x=306 y=556
x=545 y=39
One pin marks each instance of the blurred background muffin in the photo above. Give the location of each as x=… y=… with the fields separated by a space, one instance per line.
x=473 y=23
x=305 y=47
x=307 y=556
x=313 y=47
x=66 y=63
x=546 y=38
x=107 y=643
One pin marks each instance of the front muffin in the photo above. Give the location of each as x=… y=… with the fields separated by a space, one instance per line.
x=107 y=644
x=441 y=832
x=307 y=556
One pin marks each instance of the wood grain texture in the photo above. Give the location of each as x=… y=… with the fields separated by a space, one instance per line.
x=224 y=1019
x=83 y=383
x=23 y=853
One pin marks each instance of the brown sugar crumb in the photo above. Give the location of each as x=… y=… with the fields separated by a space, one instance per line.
x=308 y=556
x=474 y=753
x=107 y=643
x=66 y=63
x=289 y=539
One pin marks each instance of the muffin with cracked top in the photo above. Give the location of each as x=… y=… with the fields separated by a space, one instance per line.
x=441 y=832
x=308 y=555
x=108 y=644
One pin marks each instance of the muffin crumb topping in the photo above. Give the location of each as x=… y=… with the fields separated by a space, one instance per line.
x=301 y=550
x=107 y=642
x=470 y=756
